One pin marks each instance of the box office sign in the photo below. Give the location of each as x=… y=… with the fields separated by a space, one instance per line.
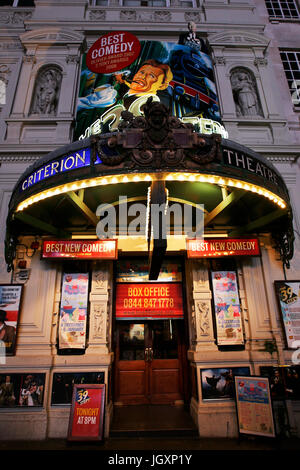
x=80 y=249
x=149 y=301
x=288 y=295
x=227 y=308
x=254 y=406
x=221 y=247
x=73 y=311
x=87 y=412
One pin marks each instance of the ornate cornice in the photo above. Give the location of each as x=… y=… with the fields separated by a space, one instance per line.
x=157 y=140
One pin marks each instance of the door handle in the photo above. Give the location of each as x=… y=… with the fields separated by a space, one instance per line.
x=150 y=354
x=147 y=354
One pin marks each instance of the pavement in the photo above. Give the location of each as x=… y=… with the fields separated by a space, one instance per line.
x=158 y=444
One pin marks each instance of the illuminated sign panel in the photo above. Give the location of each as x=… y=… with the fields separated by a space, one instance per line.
x=216 y=247
x=149 y=300
x=177 y=75
x=80 y=249
x=78 y=159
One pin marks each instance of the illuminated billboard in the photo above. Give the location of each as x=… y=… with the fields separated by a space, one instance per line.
x=179 y=76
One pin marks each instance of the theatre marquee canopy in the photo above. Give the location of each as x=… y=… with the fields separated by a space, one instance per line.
x=242 y=193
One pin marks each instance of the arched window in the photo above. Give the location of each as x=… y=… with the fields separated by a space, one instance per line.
x=245 y=92
x=46 y=91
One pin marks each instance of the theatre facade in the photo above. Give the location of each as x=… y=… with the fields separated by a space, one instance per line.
x=154 y=252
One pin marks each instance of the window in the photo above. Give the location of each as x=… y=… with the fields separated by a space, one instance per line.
x=282 y=9
x=99 y=3
x=17 y=3
x=144 y=3
x=291 y=65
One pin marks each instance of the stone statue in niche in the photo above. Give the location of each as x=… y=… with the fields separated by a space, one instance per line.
x=47 y=90
x=245 y=93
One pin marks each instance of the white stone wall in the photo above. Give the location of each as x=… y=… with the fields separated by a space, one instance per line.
x=56 y=32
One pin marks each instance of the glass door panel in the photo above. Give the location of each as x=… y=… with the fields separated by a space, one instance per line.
x=165 y=339
x=132 y=342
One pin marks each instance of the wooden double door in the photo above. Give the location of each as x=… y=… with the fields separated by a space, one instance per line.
x=149 y=362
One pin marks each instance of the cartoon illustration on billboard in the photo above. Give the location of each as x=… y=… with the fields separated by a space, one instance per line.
x=179 y=76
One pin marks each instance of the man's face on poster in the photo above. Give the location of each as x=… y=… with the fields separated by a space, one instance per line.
x=148 y=79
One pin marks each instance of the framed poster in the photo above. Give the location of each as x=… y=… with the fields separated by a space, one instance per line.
x=73 y=311
x=21 y=390
x=254 y=406
x=218 y=383
x=63 y=383
x=284 y=381
x=288 y=296
x=87 y=413
x=10 y=299
x=227 y=308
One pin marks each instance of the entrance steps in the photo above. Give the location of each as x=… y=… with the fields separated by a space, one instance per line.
x=152 y=421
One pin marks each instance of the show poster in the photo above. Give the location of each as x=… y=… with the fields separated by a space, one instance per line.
x=73 y=311
x=10 y=299
x=227 y=308
x=179 y=76
x=254 y=407
x=288 y=294
x=87 y=412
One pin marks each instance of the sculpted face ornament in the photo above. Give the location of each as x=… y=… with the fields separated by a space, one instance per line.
x=157 y=140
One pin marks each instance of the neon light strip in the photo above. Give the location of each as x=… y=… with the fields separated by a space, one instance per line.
x=144 y=177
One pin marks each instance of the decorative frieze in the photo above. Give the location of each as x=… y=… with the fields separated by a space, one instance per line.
x=192 y=16
x=14 y=17
x=97 y=15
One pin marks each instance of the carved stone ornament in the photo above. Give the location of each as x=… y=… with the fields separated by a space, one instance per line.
x=245 y=93
x=46 y=92
x=99 y=312
x=203 y=315
x=157 y=140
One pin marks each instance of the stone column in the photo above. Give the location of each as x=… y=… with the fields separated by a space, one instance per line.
x=100 y=309
x=202 y=312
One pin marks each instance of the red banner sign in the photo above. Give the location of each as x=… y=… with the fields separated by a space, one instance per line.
x=86 y=417
x=216 y=247
x=112 y=52
x=80 y=249
x=149 y=300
